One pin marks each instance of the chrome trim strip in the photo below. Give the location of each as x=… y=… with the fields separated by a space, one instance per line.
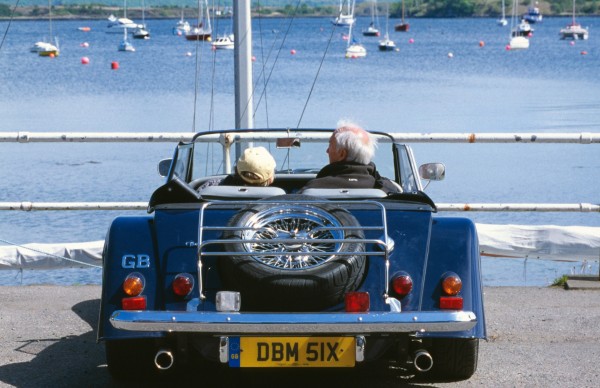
x=296 y=323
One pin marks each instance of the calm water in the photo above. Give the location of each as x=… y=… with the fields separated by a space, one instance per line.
x=552 y=87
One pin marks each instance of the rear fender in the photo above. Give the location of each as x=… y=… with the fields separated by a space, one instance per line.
x=128 y=248
x=454 y=247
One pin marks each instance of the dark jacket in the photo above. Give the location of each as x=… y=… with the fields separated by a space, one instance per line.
x=351 y=175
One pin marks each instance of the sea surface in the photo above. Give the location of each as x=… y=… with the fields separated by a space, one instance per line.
x=448 y=75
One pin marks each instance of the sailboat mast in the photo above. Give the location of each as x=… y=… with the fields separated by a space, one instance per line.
x=242 y=30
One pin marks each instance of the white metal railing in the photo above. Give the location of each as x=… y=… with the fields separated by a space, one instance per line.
x=450 y=207
x=155 y=137
x=158 y=137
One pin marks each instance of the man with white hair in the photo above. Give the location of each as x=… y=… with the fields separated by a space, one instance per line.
x=351 y=149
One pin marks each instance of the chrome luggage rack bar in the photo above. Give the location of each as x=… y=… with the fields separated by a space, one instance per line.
x=380 y=225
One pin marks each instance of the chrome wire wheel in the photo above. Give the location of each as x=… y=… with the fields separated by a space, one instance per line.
x=289 y=233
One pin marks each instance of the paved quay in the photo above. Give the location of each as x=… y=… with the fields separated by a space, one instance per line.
x=537 y=337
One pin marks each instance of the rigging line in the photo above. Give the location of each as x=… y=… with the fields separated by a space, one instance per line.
x=50 y=254
x=262 y=55
x=264 y=61
x=279 y=50
x=12 y=16
x=211 y=114
x=312 y=87
x=197 y=72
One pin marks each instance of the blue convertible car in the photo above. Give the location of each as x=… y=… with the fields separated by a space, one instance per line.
x=268 y=277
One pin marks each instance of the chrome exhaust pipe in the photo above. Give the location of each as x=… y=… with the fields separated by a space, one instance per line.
x=164 y=359
x=422 y=360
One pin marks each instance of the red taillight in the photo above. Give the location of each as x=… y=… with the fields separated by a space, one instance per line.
x=183 y=284
x=402 y=284
x=357 y=302
x=134 y=303
x=451 y=302
x=134 y=283
x=451 y=284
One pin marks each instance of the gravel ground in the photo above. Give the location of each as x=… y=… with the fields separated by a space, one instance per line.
x=537 y=337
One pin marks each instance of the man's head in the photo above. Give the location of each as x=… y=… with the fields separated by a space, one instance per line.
x=351 y=143
x=256 y=166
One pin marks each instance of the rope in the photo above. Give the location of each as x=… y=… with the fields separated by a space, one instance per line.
x=50 y=254
x=12 y=15
x=312 y=87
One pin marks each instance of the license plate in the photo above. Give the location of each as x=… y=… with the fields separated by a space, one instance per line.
x=292 y=352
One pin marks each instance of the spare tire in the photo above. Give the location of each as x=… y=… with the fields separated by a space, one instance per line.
x=305 y=275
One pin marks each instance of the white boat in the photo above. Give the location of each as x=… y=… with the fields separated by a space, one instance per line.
x=345 y=17
x=141 y=32
x=125 y=45
x=519 y=32
x=387 y=44
x=372 y=29
x=45 y=48
x=522 y=29
x=574 y=29
x=182 y=27
x=502 y=21
x=224 y=42
x=354 y=48
x=117 y=25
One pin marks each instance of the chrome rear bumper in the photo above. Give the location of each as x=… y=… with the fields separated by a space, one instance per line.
x=219 y=323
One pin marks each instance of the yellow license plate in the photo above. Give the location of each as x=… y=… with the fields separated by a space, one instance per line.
x=290 y=352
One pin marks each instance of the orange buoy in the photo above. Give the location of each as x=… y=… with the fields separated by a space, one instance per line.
x=85 y=61
x=114 y=65
x=51 y=55
x=481 y=43
x=584 y=53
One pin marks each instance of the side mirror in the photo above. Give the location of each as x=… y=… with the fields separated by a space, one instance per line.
x=432 y=171
x=164 y=166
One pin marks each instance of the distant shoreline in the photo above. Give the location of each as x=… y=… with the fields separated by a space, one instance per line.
x=74 y=12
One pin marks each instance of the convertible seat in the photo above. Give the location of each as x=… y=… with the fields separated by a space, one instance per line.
x=240 y=192
x=345 y=193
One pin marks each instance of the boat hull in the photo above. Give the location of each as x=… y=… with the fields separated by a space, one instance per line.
x=402 y=27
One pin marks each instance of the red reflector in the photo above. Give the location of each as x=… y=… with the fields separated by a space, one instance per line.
x=402 y=285
x=357 y=302
x=134 y=303
x=182 y=284
x=451 y=302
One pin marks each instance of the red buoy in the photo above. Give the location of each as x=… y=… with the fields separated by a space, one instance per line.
x=292 y=51
x=114 y=65
x=85 y=61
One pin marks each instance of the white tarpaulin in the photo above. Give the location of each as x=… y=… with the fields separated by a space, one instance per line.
x=51 y=256
x=569 y=243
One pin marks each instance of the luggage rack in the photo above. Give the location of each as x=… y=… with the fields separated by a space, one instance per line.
x=381 y=246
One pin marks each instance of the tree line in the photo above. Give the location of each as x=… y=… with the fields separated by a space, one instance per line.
x=413 y=8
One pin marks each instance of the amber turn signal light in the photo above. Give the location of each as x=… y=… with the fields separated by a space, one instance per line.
x=134 y=283
x=451 y=284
